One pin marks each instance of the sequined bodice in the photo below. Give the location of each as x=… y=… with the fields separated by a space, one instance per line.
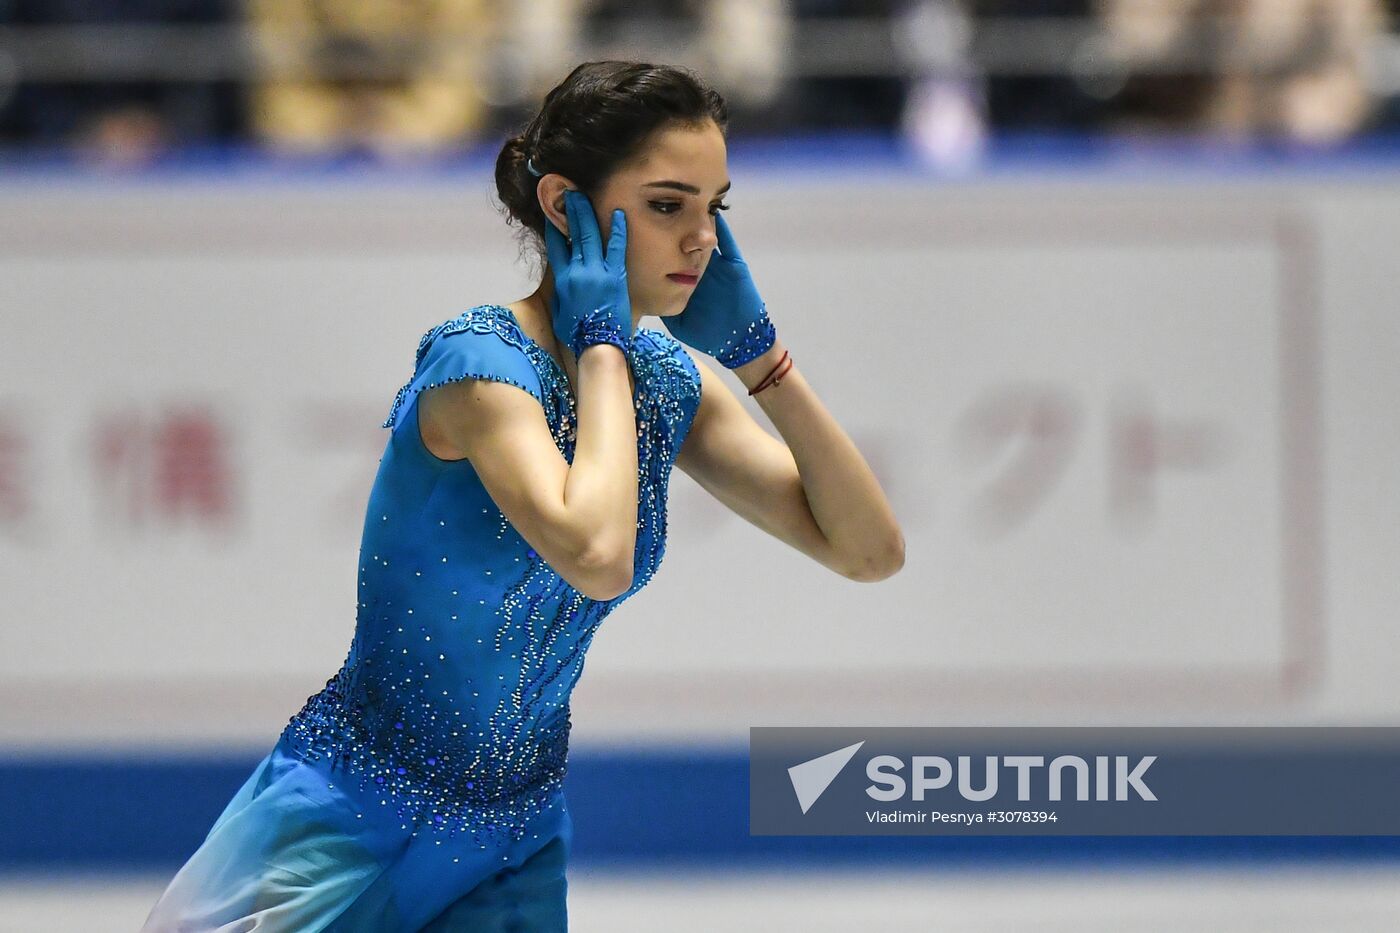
x=452 y=704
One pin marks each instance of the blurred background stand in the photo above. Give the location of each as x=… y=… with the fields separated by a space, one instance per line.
x=123 y=83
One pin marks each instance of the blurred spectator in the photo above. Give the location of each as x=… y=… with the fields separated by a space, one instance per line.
x=1058 y=102
x=389 y=77
x=740 y=45
x=132 y=117
x=405 y=77
x=542 y=44
x=746 y=46
x=830 y=86
x=1293 y=68
x=943 y=119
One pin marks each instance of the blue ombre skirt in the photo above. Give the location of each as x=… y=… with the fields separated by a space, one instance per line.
x=296 y=851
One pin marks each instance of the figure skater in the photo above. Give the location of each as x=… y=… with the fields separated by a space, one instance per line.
x=521 y=497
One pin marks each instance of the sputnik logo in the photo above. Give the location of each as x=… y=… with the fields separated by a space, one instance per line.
x=810 y=779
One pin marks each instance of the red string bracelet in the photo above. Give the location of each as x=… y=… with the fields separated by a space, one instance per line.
x=765 y=380
x=783 y=372
x=763 y=383
x=775 y=376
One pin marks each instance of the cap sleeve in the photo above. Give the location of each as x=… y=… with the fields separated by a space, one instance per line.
x=479 y=344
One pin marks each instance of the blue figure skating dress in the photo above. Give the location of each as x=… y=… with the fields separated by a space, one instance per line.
x=421 y=789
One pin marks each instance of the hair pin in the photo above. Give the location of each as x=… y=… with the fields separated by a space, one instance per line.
x=530 y=167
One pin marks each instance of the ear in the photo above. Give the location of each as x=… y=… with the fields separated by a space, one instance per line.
x=550 y=192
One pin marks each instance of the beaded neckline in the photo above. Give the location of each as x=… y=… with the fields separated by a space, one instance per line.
x=648 y=349
x=558 y=369
x=530 y=341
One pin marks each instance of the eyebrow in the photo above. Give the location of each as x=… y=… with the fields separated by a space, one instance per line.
x=682 y=186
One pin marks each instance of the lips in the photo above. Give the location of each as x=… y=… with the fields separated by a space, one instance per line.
x=682 y=278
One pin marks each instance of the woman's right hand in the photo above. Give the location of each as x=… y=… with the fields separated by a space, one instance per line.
x=590 y=302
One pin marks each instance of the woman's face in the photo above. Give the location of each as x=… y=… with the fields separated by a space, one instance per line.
x=670 y=195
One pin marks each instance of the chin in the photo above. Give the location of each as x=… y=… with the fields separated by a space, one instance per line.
x=668 y=306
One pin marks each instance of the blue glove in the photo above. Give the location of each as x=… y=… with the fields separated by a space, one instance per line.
x=590 y=303
x=725 y=317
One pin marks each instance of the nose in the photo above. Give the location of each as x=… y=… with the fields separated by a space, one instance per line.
x=702 y=238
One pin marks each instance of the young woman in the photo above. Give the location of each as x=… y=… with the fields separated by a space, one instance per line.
x=521 y=497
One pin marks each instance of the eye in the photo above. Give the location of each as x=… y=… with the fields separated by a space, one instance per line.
x=671 y=207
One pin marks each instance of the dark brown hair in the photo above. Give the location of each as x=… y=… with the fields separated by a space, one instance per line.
x=596 y=120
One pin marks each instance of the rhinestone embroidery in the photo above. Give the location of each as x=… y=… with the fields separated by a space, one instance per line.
x=598 y=327
x=755 y=341
x=452 y=705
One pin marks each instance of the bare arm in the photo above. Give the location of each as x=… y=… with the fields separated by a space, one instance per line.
x=581 y=518
x=815 y=492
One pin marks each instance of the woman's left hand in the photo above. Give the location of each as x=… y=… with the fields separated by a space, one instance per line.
x=725 y=316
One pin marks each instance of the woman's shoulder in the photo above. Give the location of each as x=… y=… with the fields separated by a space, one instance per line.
x=478 y=319
x=483 y=342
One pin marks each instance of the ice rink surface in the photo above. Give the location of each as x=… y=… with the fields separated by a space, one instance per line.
x=1298 y=899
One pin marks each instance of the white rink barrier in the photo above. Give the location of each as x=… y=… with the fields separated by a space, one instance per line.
x=1141 y=438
